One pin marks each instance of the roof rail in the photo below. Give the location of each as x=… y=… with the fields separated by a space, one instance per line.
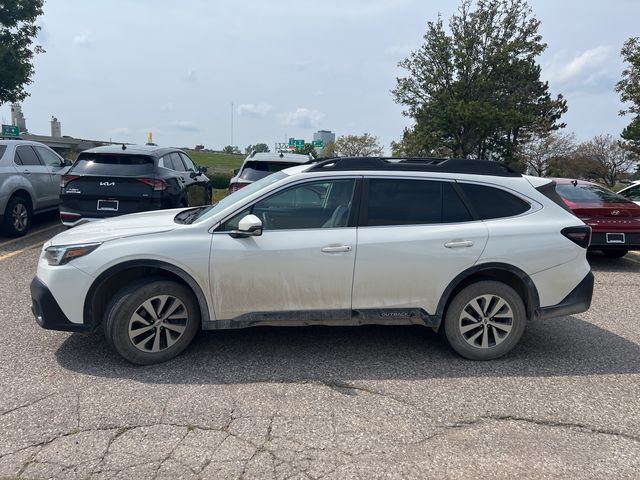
x=421 y=164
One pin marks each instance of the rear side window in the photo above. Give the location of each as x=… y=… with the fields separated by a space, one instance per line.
x=403 y=202
x=113 y=164
x=253 y=171
x=3 y=148
x=489 y=202
x=177 y=162
x=25 y=155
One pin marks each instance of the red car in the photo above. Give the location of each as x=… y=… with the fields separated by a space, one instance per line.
x=614 y=220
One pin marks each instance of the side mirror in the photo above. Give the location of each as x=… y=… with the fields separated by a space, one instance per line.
x=202 y=170
x=249 y=226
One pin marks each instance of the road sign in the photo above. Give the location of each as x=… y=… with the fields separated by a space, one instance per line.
x=318 y=143
x=296 y=143
x=10 y=131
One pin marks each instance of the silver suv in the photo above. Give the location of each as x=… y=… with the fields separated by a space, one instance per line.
x=29 y=183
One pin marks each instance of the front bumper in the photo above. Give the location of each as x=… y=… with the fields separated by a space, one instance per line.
x=47 y=311
x=578 y=301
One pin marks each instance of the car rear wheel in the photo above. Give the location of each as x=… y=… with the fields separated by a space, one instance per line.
x=152 y=321
x=615 y=253
x=17 y=217
x=485 y=320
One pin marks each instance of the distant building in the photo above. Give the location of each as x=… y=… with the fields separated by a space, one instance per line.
x=327 y=136
x=56 y=127
x=17 y=117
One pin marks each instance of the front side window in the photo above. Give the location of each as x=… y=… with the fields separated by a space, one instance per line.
x=323 y=204
x=178 y=166
x=490 y=202
x=187 y=162
x=48 y=157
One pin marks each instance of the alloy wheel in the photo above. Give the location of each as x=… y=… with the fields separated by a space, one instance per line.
x=486 y=321
x=20 y=217
x=158 y=323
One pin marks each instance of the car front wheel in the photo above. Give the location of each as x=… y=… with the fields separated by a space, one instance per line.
x=485 y=320
x=152 y=321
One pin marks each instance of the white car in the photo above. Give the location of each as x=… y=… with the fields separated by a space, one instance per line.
x=632 y=192
x=259 y=165
x=466 y=246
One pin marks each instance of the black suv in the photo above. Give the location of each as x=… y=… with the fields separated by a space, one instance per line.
x=116 y=180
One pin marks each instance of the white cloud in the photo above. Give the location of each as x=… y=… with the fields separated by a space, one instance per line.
x=259 y=110
x=583 y=64
x=83 y=40
x=184 y=126
x=302 y=118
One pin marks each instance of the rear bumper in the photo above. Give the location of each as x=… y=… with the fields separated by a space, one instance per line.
x=71 y=217
x=578 y=301
x=48 y=313
x=599 y=241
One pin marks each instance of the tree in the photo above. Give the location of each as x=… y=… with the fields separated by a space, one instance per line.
x=476 y=91
x=258 y=148
x=17 y=33
x=231 y=149
x=611 y=157
x=541 y=150
x=329 y=150
x=308 y=149
x=365 y=145
x=629 y=90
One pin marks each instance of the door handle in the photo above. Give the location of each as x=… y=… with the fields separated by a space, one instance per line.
x=336 y=249
x=26 y=172
x=459 y=244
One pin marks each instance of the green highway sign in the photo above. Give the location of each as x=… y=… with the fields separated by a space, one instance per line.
x=294 y=142
x=318 y=143
x=10 y=131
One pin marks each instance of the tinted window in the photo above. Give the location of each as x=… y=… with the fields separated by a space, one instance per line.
x=187 y=162
x=453 y=209
x=177 y=162
x=632 y=193
x=325 y=204
x=25 y=155
x=167 y=162
x=585 y=193
x=489 y=202
x=403 y=202
x=113 y=164
x=48 y=157
x=253 y=171
x=3 y=149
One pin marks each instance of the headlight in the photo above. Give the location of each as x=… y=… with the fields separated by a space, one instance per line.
x=63 y=254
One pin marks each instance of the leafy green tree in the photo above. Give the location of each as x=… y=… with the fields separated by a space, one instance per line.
x=231 y=149
x=258 y=147
x=365 y=145
x=329 y=150
x=475 y=90
x=17 y=33
x=306 y=150
x=629 y=90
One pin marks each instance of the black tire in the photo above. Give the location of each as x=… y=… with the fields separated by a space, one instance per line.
x=498 y=343
x=617 y=253
x=17 y=207
x=119 y=320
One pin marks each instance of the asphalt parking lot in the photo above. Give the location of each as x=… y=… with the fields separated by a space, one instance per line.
x=369 y=402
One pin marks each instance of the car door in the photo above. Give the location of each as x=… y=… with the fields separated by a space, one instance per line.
x=56 y=166
x=302 y=262
x=415 y=236
x=199 y=182
x=39 y=175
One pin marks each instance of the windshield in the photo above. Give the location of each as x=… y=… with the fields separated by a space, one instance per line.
x=238 y=195
x=253 y=170
x=582 y=193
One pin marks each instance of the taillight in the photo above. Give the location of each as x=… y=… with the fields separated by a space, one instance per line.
x=66 y=179
x=579 y=235
x=234 y=187
x=157 y=184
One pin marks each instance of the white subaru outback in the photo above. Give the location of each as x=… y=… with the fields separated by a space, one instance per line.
x=468 y=247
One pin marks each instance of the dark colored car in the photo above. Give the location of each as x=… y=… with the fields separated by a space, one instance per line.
x=116 y=180
x=614 y=220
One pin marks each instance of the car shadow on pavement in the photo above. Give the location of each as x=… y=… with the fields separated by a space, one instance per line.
x=562 y=347
x=600 y=263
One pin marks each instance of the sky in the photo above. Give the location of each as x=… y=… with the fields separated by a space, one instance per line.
x=118 y=69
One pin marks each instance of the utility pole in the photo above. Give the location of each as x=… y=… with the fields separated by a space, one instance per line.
x=232 y=124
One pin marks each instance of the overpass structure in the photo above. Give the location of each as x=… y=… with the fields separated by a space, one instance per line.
x=64 y=145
